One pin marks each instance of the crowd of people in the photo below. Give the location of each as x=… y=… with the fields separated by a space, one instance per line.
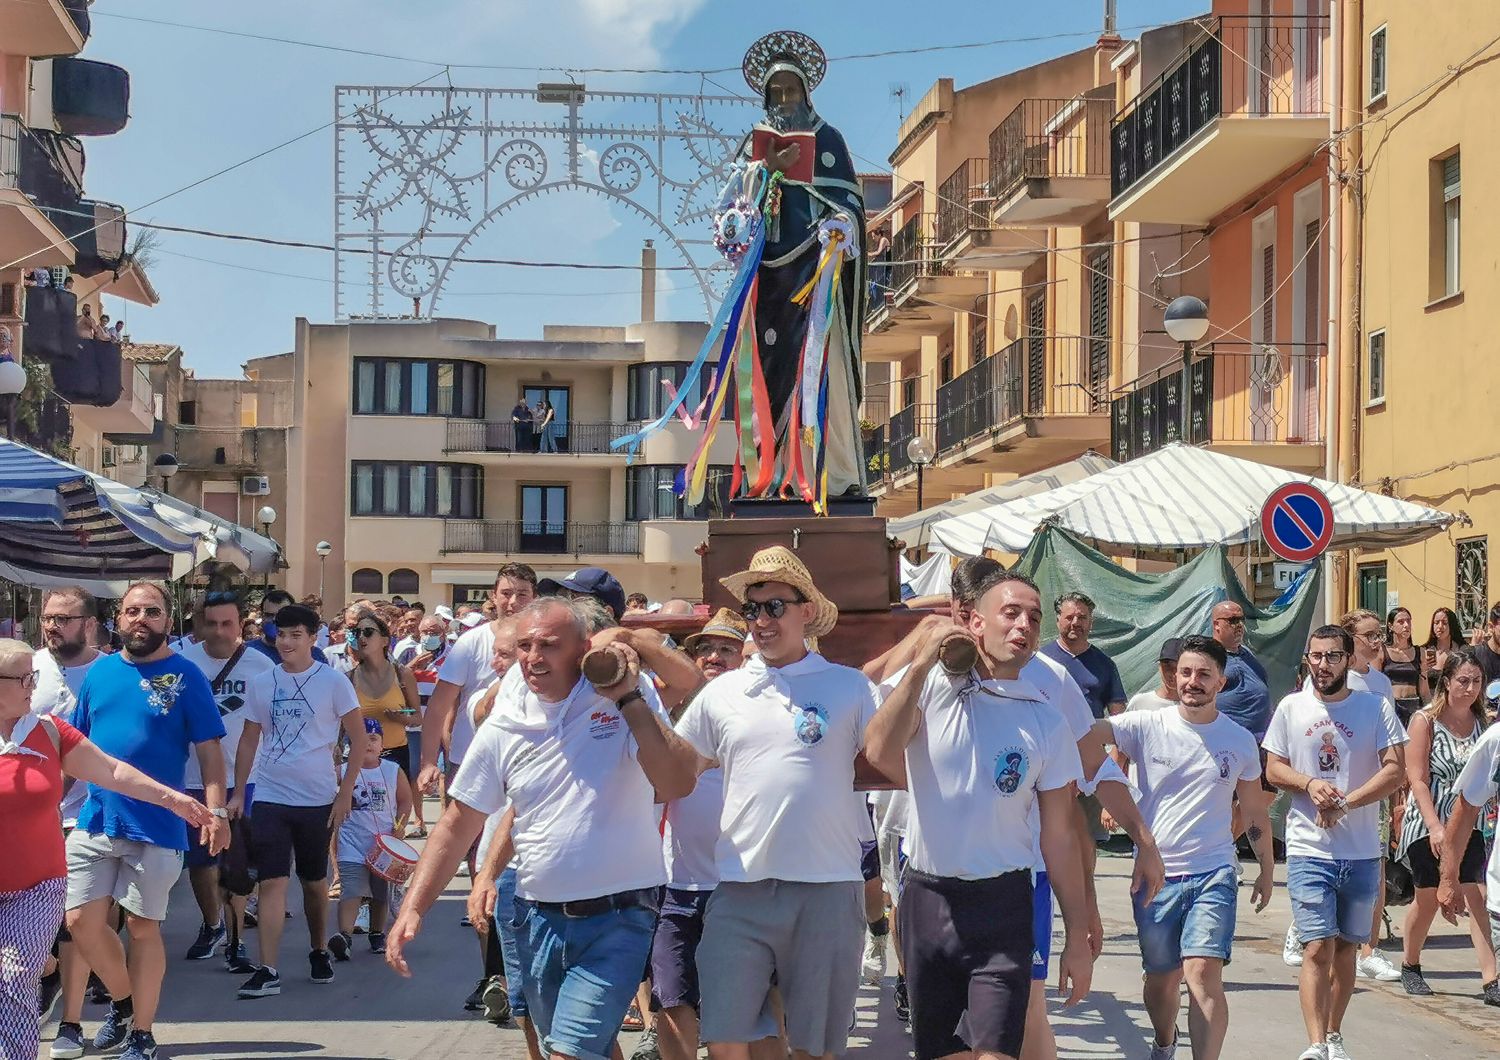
x=717 y=840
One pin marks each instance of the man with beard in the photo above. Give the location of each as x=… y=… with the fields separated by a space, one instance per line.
x=1339 y=753
x=222 y=883
x=149 y=707
x=70 y=626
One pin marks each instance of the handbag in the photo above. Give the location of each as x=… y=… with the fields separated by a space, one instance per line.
x=1399 y=888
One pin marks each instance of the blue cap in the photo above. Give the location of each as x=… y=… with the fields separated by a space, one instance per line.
x=372 y=725
x=589 y=581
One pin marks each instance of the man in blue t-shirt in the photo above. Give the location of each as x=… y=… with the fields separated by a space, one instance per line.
x=1246 y=698
x=270 y=604
x=150 y=708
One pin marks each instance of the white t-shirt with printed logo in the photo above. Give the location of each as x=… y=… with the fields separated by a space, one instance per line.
x=232 y=694
x=586 y=818
x=1341 y=743
x=982 y=753
x=469 y=665
x=1479 y=783
x=1187 y=775
x=786 y=738
x=372 y=811
x=300 y=717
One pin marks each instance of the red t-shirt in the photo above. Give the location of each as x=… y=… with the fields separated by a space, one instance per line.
x=30 y=824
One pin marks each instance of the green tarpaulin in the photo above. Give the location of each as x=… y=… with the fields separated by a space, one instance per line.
x=1136 y=612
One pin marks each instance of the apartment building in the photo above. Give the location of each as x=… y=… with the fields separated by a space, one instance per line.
x=80 y=390
x=409 y=464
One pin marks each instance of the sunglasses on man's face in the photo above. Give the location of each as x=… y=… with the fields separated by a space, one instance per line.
x=775 y=607
x=1234 y=620
x=366 y=632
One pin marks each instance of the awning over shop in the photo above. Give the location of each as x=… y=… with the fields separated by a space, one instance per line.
x=1181 y=497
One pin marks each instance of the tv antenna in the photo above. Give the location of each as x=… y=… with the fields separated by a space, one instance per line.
x=899 y=91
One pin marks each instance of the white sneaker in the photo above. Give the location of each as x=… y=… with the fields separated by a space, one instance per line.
x=1164 y=1052
x=1336 y=1050
x=873 y=967
x=1376 y=966
x=1317 y=1051
x=362 y=921
x=1291 y=949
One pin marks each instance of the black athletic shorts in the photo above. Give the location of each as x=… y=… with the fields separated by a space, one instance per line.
x=869 y=859
x=967 y=946
x=1424 y=867
x=281 y=832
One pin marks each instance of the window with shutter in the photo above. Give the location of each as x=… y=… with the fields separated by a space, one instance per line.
x=1451 y=224
x=1377 y=64
x=1098 y=381
x=1036 y=354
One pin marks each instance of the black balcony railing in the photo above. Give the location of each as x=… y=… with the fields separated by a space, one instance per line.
x=97 y=232
x=522 y=537
x=964 y=200
x=911 y=422
x=1049 y=138
x=1237 y=392
x=10 y=151
x=78 y=11
x=483 y=436
x=980 y=400
x=877 y=454
x=51 y=324
x=914 y=252
x=1245 y=65
x=89 y=97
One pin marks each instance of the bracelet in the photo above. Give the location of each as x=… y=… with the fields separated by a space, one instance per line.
x=632 y=695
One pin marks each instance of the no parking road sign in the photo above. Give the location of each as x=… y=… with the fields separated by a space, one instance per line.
x=1297 y=522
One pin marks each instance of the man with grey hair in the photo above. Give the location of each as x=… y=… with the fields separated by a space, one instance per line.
x=582 y=767
x=1094 y=671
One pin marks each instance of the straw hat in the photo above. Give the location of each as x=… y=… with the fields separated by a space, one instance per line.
x=779 y=564
x=725 y=623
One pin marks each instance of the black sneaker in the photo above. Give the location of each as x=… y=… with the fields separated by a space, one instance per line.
x=339 y=945
x=322 y=966
x=1412 y=981
x=263 y=983
x=251 y=920
x=51 y=990
x=237 y=960
x=115 y=1032
x=496 y=1000
x=903 y=1003
x=142 y=1047
x=210 y=938
x=475 y=1001
x=1491 y=993
x=68 y=1045
x=377 y=942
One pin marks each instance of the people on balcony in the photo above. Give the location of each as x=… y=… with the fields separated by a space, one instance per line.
x=520 y=419
x=88 y=327
x=547 y=427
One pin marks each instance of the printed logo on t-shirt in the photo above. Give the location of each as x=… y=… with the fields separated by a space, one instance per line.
x=1228 y=761
x=1010 y=769
x=162 y=691
x=603 y=724
x=811 y=724
x=1328 y=754
x=230 y=695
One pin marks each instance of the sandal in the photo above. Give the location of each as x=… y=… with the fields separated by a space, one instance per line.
x=416 y=832
x=633 y=1021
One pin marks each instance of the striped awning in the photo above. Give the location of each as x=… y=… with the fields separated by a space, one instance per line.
x=62 y=525
x=1182 y=497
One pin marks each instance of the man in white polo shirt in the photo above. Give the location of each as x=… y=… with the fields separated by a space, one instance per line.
x=785 y=729
x=582 y=768
x=1339 y=752
x=1190 y=763
x=979 y=752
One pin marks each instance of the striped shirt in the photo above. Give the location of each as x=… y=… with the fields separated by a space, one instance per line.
x=1446 y=761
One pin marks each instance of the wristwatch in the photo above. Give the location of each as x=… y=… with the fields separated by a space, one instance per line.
x=633 y=694
x=220 y=812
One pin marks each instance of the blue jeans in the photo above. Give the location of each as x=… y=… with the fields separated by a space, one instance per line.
x=549 y=440
x=1191 y=916
x=1333 y=898
x=581 y=974
x=505 y=904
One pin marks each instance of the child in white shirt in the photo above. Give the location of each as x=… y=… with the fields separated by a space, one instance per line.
x=382 y=802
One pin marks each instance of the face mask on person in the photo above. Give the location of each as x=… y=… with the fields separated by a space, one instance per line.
x=432 y=642
x=351 y=639
x=268 y=629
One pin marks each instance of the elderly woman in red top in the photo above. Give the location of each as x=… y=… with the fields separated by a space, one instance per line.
x=35 y=752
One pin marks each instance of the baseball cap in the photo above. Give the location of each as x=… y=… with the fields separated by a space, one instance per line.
x=472 y=619
x=1171 y=648
x=444 y=612
x=373 y=726
x=589 y=581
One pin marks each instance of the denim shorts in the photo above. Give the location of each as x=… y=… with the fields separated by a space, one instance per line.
x=581 y=973
x=1333 y=897
x=505 y=904
x=1191 y=916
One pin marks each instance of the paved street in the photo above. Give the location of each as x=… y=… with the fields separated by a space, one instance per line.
x=371 y=1013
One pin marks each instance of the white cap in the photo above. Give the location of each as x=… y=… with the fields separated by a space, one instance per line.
x=472 y=619
x=444 y=612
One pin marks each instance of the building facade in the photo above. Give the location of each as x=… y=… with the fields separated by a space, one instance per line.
x=410 y=463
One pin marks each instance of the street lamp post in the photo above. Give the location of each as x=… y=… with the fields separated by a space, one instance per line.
x=266 y=516
x=12 y=382
x=323 y=548
x=165 y=466
x=1186 y=321
x=921 y=453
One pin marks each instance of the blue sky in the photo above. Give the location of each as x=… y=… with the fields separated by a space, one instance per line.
x=203 y=101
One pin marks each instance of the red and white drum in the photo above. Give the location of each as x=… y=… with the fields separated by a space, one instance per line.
x=392 y=859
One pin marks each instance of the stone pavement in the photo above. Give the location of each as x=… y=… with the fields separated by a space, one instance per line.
x=369 y=1012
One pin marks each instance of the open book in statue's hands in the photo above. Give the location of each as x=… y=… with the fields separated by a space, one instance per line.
x=766 y=146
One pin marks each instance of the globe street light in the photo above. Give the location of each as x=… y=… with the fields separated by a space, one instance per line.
x=323 y=548
x=267 y=516
x=1186 y=321
x=921 y=453
x=165 y=466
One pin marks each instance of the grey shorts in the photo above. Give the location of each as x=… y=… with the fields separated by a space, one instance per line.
x=809 y=936
x=357 y=881
x=139 y=876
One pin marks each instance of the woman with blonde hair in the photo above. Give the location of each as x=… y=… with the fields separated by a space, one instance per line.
x=1443 y=735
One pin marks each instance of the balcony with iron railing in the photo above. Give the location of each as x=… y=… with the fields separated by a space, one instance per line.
x=41 y=29
x=1247 y=99
x=568 y=438
x=1239 y=394
x=1049 y=160
x=515 y=537
x=911 y=422
x=916 y=282
x=968 y=236
x=29 y=182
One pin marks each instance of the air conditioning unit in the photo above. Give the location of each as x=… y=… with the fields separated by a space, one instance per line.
x=255 y=485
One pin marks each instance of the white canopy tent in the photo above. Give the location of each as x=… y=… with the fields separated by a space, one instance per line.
x=1181 y=497
x=915 y=529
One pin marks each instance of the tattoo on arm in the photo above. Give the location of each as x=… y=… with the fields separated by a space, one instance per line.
x=1253 y=833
